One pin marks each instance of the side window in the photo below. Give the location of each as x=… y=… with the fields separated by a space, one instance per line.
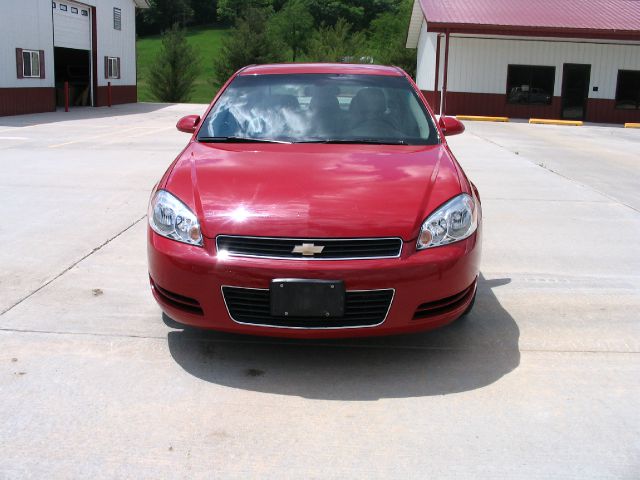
x=530 y=84
x=30 y=63
x=112 y=67
x=117 y=19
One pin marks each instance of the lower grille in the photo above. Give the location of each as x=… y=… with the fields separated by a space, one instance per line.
x=365 y=308
x=310 y=248
x=175 y=300
x=431 y=309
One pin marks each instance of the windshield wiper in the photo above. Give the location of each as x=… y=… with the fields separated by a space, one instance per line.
x=370 y=141
x=236 y=139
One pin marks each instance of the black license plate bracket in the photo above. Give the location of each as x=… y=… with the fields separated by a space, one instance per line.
x=292 y=297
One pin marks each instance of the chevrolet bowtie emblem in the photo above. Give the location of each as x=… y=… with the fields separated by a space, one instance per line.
x=307 y=249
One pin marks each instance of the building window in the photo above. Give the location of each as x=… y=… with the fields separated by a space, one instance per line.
x=117 y=19
x=85 y=13
x=530 y=85
x=30 y=64
x=74 y=10
x=63 y=7
x=628 y=90
x=112 y=67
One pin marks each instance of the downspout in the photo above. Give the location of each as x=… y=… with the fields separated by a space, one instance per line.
x=443 y=102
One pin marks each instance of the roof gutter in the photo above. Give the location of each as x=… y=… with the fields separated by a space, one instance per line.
x=528 y=31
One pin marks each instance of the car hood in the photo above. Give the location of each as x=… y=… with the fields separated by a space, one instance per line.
x=313 y=190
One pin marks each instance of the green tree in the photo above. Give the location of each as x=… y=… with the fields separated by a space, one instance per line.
x=387 y=39
x=204 y=11
x=358 y=13
x=162 y=14
x=172 y=75
x=229 y=11
x=291 y=27
x=248 y=42
x=335 y=44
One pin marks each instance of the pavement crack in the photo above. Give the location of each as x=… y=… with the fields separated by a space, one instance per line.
x=96 y=249
x=584 y=185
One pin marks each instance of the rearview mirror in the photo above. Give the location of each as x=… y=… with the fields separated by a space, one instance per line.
x=451 y=126
x=188 y=124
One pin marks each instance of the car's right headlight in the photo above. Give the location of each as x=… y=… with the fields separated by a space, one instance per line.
x=171 y=218
x=454 y=221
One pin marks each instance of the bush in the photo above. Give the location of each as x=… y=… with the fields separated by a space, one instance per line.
x=248 y=43
x=336 y=44
x=172 y=76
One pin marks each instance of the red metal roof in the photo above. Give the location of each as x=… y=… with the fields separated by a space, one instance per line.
x=599 y=18
x=345 y=68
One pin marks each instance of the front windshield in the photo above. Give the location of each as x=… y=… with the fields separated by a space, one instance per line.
x=320 y=108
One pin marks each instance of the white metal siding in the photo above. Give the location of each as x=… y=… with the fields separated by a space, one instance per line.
x=426 y=68
x=71 y=30
x=25 y=24
x=116 y=43
x=479 y=65
x=28 y=24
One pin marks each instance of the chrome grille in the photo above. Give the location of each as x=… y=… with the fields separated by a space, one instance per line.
x=332 y=249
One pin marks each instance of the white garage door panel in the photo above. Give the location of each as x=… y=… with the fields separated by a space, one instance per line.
x=71 y=30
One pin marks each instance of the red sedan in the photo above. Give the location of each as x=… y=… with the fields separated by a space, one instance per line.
x=315 y=200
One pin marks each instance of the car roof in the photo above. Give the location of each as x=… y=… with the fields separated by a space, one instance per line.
x=331 y=68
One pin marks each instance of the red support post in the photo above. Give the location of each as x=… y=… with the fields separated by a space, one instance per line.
x=66 y=96
x=443 y=105
x=109 y=94
x=436 y=86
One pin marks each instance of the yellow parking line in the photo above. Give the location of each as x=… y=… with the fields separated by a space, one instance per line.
x=476 y=118
x=545 y=121
x=632 y=125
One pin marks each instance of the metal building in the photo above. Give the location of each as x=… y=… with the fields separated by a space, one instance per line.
x=45 y=43
x=568 y=59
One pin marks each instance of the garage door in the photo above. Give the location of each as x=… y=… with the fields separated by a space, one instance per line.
x=71 y=25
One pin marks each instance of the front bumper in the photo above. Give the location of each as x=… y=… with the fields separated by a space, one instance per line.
x=187 y=283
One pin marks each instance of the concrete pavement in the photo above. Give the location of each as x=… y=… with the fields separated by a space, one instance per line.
x=542 y=379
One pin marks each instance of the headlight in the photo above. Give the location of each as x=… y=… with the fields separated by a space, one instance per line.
x=171 y=218
x=454 y=221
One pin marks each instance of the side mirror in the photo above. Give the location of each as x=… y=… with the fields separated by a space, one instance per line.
x=188 y=124
x=451 y=126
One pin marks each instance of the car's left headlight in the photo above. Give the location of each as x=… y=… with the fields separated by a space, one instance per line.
x=454 y=221
x=171 y=218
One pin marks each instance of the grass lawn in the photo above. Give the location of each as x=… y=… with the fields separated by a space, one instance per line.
x=207 y=41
